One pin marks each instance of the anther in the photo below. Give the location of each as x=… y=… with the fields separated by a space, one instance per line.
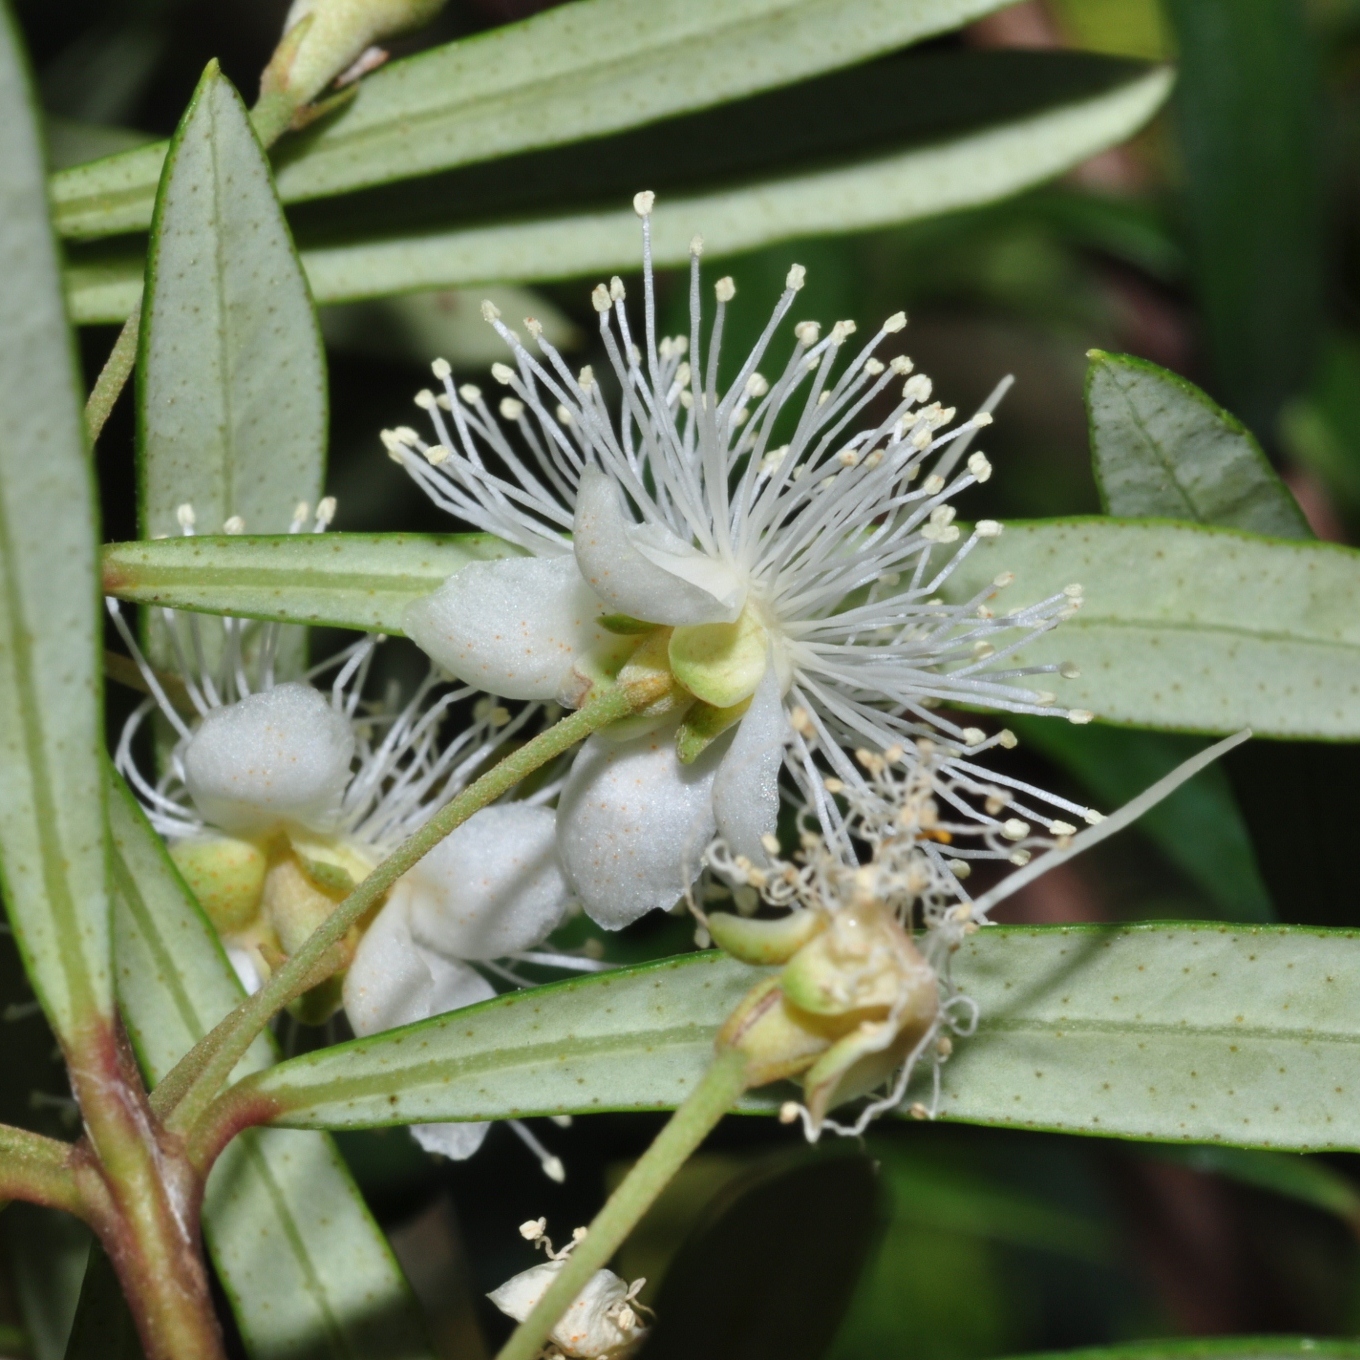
x=234 y=525
x=979 y=466
x=470 y=393
x=1080 y=716
x=425 y=399
x=502 y=373
x=436 y=454
x=987 y=528
x=585 y=379
x=616 y=293
x=534 y=326
x=1069 y=670
x=599 y=298
x=643 y=203
x=788 y=1112
x=696 y=246
x=756 y=385
x=973 y=736
x=185 y=516
x=894 y=323
x=725 y=289
x=325 y=511
x=807 y=332
x=873 y=367
x=796 y=277
x=1007 y=739
x=442 y=369
x=490 y=312
x=511 y=409
x=901 y=364
x=917 y=388
x=564 y=416
x=842 y=331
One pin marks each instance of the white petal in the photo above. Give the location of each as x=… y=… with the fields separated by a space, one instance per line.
x=746 y=789
x=632 y=825
x=585 y=1329
x=645 y=570
x=517 y=1297
x=279 y=756
x=514 y=628
x=458 y=1141
x=393 y=981
x=492 y=887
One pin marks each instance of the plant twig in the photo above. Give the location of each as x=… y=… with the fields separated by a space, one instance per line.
x=715 y=1094
x=186 y=1092
x=38 y=1170
x=115 y=373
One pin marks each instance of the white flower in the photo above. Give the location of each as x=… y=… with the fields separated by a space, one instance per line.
x=277 y=798
x=602 y=1322
x=793 y=578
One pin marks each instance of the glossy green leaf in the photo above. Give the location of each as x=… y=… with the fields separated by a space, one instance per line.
x=231 y=375
x=362 y=581
x=306 y=1269
x=898 y=140
x=52 y=841
x=1199 y=827
x=568 y=74
x=1160 y=446
x=1195 y=1033
x=1189 y=627
x=1255 y=194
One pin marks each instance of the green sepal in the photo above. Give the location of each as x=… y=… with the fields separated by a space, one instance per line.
x=624 y=624
x=703 y=725
x=764 y=942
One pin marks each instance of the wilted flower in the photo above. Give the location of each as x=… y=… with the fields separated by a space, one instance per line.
x=603 y=1322
x=802 y=575
x=277 y=798
x=865 y=992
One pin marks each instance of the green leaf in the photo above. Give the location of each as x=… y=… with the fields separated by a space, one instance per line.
x=1307 y=1179
x=1180 y=1033
x=569 y=74
x=902 y=139
x=1255 y=195
x=1199 y=828
x=231 y=375
x=1160 y=446
x=306 y=1269
x=52 y=841
x=1189 y=627
x=362 y=581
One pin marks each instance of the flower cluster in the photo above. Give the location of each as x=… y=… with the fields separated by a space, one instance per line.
x=278 y=797
x=783 y=544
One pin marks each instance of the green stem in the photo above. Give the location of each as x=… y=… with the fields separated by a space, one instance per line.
x=187 y=1091
x=116 y=371
x=715 y=1094
x=37 y=1169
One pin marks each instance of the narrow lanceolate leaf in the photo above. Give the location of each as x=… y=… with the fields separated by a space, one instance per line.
x=362 y=581
x=572 y=73
x=1160 y=446
x=1243 y=1035
x=304 y=1265
x=53 y=851
x=1188 y=627
x=949 y=132
x=231 y=375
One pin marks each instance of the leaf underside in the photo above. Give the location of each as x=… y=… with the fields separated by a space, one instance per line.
x=1194 y=1033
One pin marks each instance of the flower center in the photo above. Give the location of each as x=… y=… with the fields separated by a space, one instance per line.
x=722 y=663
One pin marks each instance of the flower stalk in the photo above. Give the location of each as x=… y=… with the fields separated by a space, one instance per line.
x=719 y=1088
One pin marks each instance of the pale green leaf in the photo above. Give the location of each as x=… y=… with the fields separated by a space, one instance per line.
x=306 y=1269
x=954 y=171
x=447 y=324
x=1194 y=1033
x=1160 y=446
x=52 y=841
x=575 y=72
x=231 y=374
x=1199 y=827
x=1189 y=627
x=362 y=581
